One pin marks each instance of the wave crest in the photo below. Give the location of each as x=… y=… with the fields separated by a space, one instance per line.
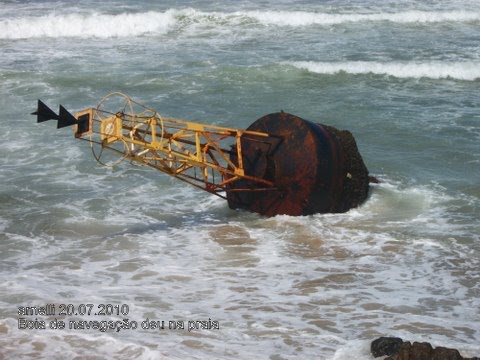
x=434 y=70
x=301 y=18
x=91 y=25
x=158 y=23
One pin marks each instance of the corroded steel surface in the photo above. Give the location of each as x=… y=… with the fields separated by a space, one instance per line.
x=308 y=163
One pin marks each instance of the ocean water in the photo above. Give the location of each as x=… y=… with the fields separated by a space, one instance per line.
x=402 y=75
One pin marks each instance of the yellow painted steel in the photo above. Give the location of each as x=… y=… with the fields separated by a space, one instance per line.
x=197 y=153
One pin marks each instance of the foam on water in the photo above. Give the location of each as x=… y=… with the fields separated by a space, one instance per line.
x=88 y=25
x=361 y=349
x=302 y=18
x=466 y=70
x=59 y=346
x=320 y=283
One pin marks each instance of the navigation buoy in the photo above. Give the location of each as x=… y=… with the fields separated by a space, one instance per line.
x=281 y=164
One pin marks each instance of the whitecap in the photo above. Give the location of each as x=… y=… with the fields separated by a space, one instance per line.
x=462 y=70
x=158 y=23
x=90 y=25
x=303 y=18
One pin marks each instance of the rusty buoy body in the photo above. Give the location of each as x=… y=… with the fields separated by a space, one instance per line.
x=315 y=168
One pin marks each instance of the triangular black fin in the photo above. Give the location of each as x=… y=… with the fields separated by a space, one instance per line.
x=65 y=118
x=44 y=113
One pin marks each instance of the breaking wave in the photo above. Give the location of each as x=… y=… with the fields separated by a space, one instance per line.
x=433 y=69
x=91 y=25
x=301 y=18
x=158 y=23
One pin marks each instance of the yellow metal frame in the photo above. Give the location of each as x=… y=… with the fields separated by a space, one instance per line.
x=193 y=152
x=84 y=114
x=111 y=129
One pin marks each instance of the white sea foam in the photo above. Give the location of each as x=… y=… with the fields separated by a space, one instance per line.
x=467 y=70
x=303 y=18
x=360 y=348
x=3 y=224
x=158 y=23
x=91 y=25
